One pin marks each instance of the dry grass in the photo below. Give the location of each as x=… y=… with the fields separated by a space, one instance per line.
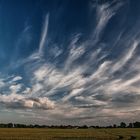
x=69 y=134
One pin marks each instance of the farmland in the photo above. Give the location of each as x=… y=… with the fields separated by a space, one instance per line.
x=69 y=134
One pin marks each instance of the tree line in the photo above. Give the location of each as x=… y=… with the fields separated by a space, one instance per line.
x=121 y=125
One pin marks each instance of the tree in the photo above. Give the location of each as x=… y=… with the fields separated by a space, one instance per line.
x=114 y=126
x=130 y=125
x=136 y=124
x=10 y=125
x=122 y=125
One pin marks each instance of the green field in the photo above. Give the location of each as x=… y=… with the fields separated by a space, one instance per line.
x=69 y=134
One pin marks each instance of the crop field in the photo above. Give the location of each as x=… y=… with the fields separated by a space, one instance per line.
x=69 y=134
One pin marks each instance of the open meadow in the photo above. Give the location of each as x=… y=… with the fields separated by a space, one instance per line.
x=69 y=134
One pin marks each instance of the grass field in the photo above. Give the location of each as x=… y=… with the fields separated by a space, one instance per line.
x=69 y=134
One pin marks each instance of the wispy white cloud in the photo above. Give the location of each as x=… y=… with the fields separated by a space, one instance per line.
x=1 y=83
x=44 y=34
x=104 y=13
x=17 y=78
x=15 y=88
x=98 y=90
x=126 y=57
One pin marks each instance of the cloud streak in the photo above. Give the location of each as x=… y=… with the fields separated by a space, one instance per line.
x=44 y=35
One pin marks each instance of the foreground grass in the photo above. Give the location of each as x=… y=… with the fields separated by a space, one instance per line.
x=69 y=134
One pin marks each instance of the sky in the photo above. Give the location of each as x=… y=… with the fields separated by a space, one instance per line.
x=69 y=61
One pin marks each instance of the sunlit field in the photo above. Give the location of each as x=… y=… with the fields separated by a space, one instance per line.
x=69 y=134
